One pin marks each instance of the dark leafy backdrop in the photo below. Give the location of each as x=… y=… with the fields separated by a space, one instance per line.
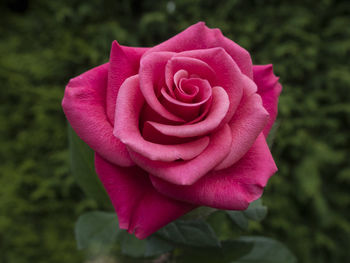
x=44 y=43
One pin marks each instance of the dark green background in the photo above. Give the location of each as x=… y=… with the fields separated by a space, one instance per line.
x=45 y=43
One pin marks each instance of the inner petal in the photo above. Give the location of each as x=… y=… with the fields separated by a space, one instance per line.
x=178 y=68
x=199 y=88
x=186 y=93
x=188 y=111
x=180 y=75
x=215 y=117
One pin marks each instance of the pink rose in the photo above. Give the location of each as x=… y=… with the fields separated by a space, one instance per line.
x=176 y=126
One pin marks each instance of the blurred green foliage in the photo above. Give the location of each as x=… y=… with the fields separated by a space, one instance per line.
x=45 y=43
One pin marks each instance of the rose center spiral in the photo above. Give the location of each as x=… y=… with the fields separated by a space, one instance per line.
x=188 y=97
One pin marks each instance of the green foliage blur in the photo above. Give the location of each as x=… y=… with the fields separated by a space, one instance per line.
x=45 y=43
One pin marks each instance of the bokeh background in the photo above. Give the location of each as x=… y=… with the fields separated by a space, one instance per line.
x=45 y=43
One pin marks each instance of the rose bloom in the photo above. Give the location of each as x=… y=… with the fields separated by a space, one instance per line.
x=176 y=126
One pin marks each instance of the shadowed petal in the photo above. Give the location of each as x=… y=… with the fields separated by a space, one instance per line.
x=140 y=208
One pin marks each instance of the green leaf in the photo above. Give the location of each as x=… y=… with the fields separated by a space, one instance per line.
x=82 y=166
x=156 y=246
x=132 y=246
x=266 y=250
x=96 y=228
x=199 y=213
x=196 y=233
x=256 y=211
x=152 y=246
x=230 y=250
x=239 y=218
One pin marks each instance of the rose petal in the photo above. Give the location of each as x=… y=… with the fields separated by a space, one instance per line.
x=149 y=133
x=126 y=127
x=199 y=36
x=140 y=208
x=202 y=90
x=148 y=114
x=205 y=109
x=188 y=111
x=232 y=188
x=269 y=89
x=191 y=66
x=228 y=74
x=188 y=172
x=249 y=87
x=179 y=75
x=247 y=123
x=84 y=104
x=218 y=111
x=152 y=79
x=123 y=63
x=187 y=93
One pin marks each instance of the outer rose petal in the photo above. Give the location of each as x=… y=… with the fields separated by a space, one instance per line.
x=140 y=208
x=85 y=108
x=199 y=36
x=126 y=127
x=247 y=123
x=232 y=188
x=188 y=172
x=269 y=89
x=123 y=63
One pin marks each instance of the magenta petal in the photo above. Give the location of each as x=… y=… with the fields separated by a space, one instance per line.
x=216 y=114
x=188 y=172
x=188 y=93
x=228 y=75
x=140 y=208
x=232 y=188
x=148 y=114
x=269 y=89
x=123 y=63
x=84 y=104
x=191 y=66
x=247 y=123
x=152 y=80
x=126 y=127
x=153 y=135
x=249 y=87
x=172 y=79
x=199 y=36
x=188 y=111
